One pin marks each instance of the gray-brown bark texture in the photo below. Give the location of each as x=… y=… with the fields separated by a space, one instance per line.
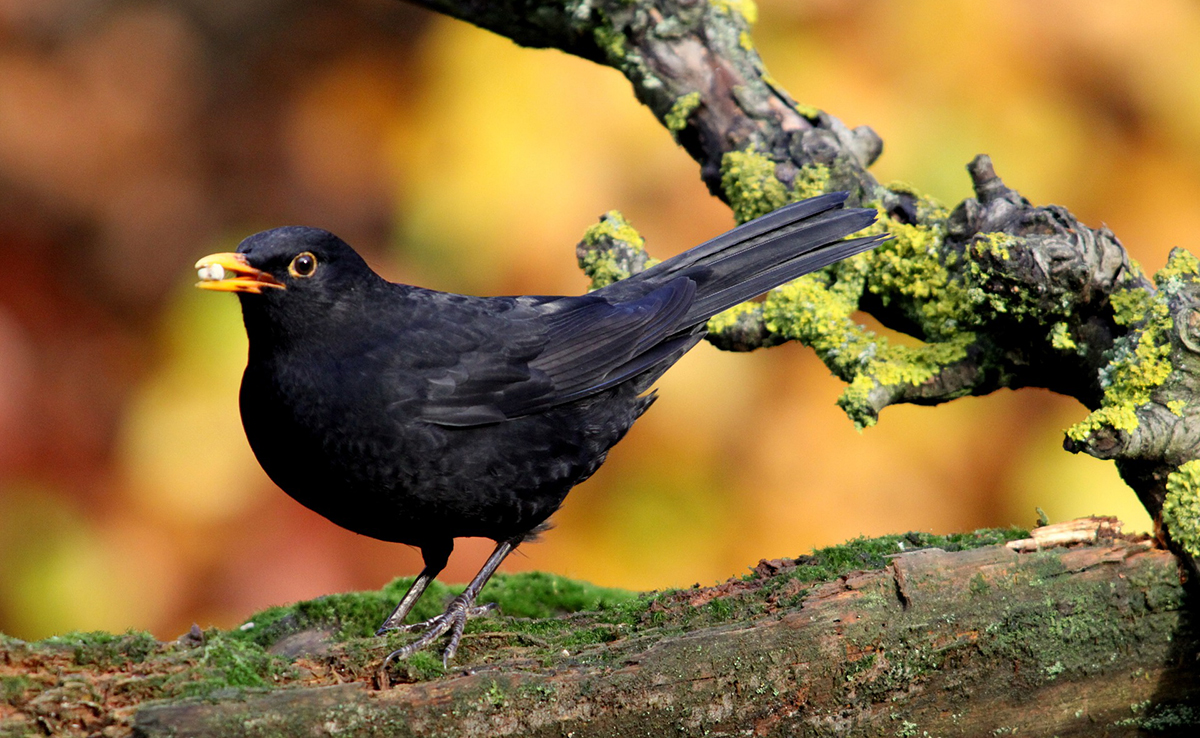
x=1075 y=631
x=1003 y=293
x=1089 y=640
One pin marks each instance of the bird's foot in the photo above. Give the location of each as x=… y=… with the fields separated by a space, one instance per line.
x=454 y=620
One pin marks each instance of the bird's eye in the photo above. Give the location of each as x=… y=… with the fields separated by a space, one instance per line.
x=304 y=265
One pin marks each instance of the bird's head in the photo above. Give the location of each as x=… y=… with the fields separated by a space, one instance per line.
x=291 y=274
x=306 y=261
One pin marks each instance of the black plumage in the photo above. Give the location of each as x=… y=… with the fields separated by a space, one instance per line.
x=417 y=416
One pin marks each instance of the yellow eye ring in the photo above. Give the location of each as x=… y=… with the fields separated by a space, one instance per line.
x=304 y=265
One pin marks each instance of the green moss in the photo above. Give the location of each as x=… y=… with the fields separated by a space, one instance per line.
x=356 y=615
x=537 y=594
x=349 y=615
x=750 y=185
x=827 y=564
x=107 y=649
x=677 y=117
x=227 y=661
x=424 y=665
x=13 y=688
x=1181 y=508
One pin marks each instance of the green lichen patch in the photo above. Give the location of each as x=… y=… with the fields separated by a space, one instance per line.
x=1060 y=337
x=908 y=271
x=1163 y=719
x=1181 y=508
x=730 y=318
x=752 y=188
x=1180 y=266
x=613 y=227
x=816 y=310
x=750 y=184
x=611 y=250
x=612 y=42
x=1131 y=306
x=1140 y=362
x=745 y=8
x=811 y=180
x=811 y=112
x=677 y=117
x=1056 y=636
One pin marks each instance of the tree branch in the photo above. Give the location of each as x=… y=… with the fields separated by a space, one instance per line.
x=1002 y=293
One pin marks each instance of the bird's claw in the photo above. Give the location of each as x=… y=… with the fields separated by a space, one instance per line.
x=454 y=619
x=470 y=612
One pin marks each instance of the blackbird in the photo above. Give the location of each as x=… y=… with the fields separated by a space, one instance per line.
x=418 y=416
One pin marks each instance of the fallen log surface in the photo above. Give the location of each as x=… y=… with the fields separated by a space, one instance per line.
x=1075 y=630
x=1085 y=640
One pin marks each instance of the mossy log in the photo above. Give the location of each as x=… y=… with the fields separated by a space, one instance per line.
x=1089 y=638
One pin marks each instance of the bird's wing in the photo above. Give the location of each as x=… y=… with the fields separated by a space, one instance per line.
x=556 y=351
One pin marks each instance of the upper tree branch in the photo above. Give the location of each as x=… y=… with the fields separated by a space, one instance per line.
x=1002 y=293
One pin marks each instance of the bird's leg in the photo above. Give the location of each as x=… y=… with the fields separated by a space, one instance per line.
x=435 y=557
x=454 y=619
x=410 y=598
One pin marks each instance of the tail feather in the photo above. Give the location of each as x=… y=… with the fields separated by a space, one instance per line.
x=768 y=227
x=758 y=256
x=751 y=273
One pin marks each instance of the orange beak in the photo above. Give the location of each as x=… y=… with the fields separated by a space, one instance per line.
x=230 y=272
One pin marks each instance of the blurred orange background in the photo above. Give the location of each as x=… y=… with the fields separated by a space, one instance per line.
x=136 y=137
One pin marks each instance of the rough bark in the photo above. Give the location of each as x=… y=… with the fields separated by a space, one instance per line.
x=1089 y=640
x=1075 y=631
